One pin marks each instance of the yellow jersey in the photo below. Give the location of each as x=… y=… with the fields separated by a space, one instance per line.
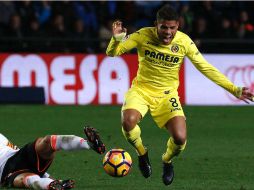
x=159 y=64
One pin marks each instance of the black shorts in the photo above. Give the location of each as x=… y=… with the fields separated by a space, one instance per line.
x=25 y=160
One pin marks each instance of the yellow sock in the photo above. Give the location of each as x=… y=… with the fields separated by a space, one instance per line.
x=172 y=150
x=133 y=137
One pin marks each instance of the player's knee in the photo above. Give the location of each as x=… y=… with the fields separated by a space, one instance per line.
x=47 y=140
x=44 y=149
x=179 y=136
x=44 y=143
x=129 y=122
x=130 y=118
x=180 y=139
x=18 y=182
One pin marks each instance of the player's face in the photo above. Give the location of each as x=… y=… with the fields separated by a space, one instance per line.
x=166 y=30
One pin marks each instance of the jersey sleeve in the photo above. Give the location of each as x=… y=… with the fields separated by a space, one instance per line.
x=116 y=48
x=210 y=71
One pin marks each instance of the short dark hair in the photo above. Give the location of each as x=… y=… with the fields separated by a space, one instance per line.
x=167 y=13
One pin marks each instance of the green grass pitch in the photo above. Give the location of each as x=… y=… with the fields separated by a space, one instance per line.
x=219 y=153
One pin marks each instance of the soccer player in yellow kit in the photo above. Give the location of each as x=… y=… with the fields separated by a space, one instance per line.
x=161 y=50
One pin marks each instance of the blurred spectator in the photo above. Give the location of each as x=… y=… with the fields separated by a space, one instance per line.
x=34 y=29
x=42 y=11
x=142 y=21
x=26 y=11
x=246 y=25
x=58 y=28
x=7 y=8
x=146 y=11
x=80 y=30
x=14 y=34
x=147 y=7
x=130 y=16
x=105 y=33
x=200 y=31
x=241 y=32
x=33 y=32
x=106 y=10
x=14 y=28
x=182 y=25
x=57 y=33
x=87 y=12
x=186 y=17
x=66 y=9
x=79 y=34
x=226 y=31
x=206 y=10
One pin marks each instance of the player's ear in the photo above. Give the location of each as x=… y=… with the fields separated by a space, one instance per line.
x=155 y=23
x=177 y=23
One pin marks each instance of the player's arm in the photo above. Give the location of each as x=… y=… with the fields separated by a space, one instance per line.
x=119 y=44
x=215 y=75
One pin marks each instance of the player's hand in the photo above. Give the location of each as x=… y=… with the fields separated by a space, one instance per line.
x=246 y=95
x=119 y=32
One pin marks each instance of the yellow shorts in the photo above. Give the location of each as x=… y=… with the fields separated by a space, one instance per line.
x=162 y=108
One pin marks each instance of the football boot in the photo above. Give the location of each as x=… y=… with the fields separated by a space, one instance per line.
x=61 y=184
x=94 y=139
x=168 y=173
x=144 y=165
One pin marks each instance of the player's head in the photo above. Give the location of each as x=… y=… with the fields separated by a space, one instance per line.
x=166 y=23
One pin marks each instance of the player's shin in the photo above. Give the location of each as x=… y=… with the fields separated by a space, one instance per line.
x=134 y=138
x=172 y=150
x=68 y=142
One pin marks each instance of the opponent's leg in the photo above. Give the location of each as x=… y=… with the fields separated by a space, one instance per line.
x=176 y=144
x=39 y=155
x=33 y=181
x=132 y=133
x=48 y=145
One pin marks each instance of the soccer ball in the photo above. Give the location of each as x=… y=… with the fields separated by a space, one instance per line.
x=117 y=162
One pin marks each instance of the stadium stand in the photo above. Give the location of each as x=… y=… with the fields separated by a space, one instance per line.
x=73 y=26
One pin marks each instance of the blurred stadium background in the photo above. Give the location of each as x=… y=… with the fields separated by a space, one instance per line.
x=47 y=26
x=55 y=77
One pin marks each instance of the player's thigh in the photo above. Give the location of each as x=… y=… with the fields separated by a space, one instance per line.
x=134 y=100
x=167 y=108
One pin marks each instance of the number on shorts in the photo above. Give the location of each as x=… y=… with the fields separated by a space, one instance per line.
x=174 y=103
